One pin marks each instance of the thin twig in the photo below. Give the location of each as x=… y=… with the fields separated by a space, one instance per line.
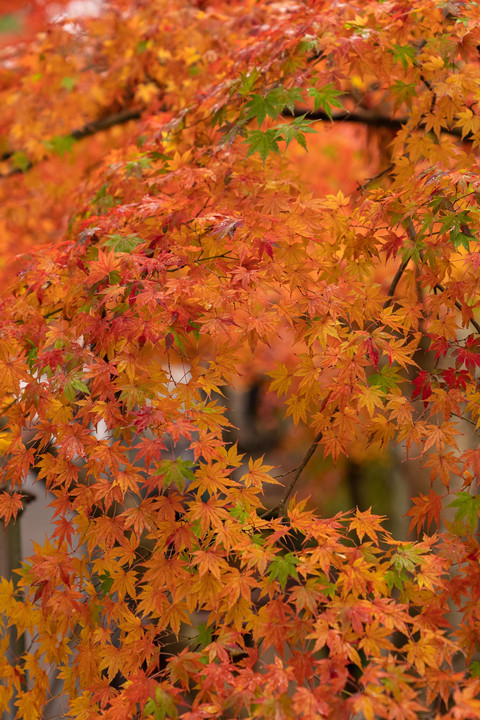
x=8 y=406
x=279 y=509
x=465 y=419
x=394 y=283
x=393 y=286
x=380 y=174
x=459 y=306
x=212 y=257
x=52 y=313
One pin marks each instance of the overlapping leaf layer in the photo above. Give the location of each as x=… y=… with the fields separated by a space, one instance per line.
x=149 y=171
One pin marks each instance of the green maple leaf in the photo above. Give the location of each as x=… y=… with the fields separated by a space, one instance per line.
x=259 y=107
x=123 y=243
x=20 y=160
x=176 y=471
x=402 y=54
x=161 y=707
x=295 y=131
x=282 y=568
x=475 y=668
x=326 y=98
x=407 y=557
x=107 y=582
x=262 y=142
x=68 y=83
x=248 y=81
x=60 y=144
x=468 y=508
x=404 y=91
x=273 y=103
x=387 y=379
x=10 y=23
x=205 y=635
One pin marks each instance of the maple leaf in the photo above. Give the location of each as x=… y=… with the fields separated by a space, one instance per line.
x=262 y=142
x=468 y=508
x=332 y=446
x=326 y=98
x=426 y=510
x=440 y=436
x=370 y=398
x=364 y=523
x=10 y=505
x=283 y=567
x=13 y=371
x=443 y=465
x=272 y=104
x=281 y=380
x=470 y=354
x=258 y=474
x=422 y=386
x=472 y=459
x=100 y=269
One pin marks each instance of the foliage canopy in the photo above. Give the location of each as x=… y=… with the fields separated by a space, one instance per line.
x=170 y=244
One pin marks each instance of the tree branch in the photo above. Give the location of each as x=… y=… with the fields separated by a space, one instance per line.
x=279 y=509
x=361 y=117
x=394 y=283
x=365 y=117
x=91 y=128
x=459 y=307
x=106 y=122
x=380 y=174
x=393 y=286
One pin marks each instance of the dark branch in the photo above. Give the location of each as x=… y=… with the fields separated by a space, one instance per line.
x=393 y=286
x=279 y=509
x=394 y=283
x=361 y=117
x=365 y=117
x=91 y=128
x=119 y=118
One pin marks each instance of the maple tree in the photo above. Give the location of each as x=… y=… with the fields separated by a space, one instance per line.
x=172 y=241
